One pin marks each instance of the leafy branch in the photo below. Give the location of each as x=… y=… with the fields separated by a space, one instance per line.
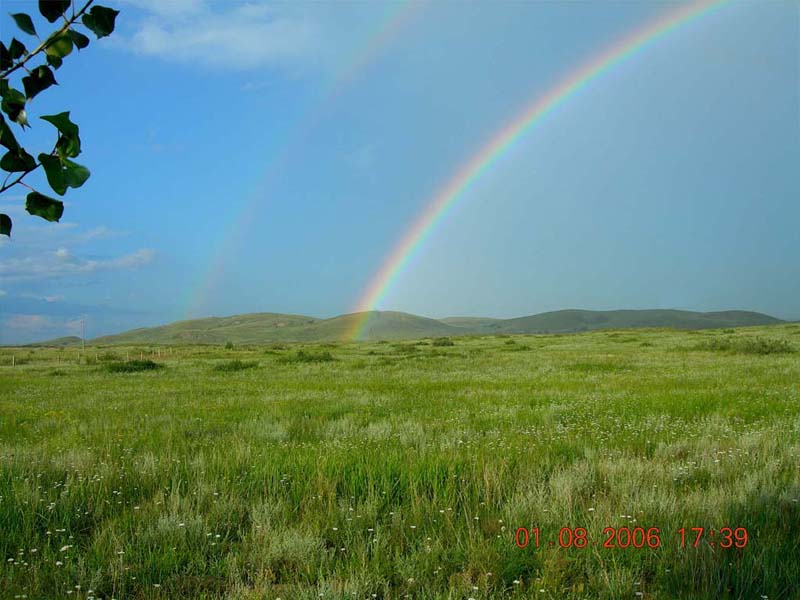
x=61 y=171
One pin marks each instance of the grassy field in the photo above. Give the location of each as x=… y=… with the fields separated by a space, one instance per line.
x=394 y=470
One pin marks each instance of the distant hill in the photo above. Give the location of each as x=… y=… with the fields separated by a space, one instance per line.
x=251 y=328
x=261 y=328
x=62 y=342
x=570 y=321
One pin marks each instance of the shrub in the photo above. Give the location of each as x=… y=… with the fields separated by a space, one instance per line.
x=443 y=341
x=132 y=366
x=229 y=345
x=301 y=356
x=235 y=365
x=109 y=357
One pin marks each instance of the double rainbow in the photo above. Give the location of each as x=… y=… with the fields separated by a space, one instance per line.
x=437 y=208
x=395 y=20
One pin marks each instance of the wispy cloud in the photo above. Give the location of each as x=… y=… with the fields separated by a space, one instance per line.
x=241 y=36
x=43 y=297
x=62 y=263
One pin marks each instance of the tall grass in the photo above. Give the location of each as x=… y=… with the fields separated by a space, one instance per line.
x=386 y=475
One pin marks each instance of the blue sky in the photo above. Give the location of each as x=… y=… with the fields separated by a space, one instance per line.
x=267 y=157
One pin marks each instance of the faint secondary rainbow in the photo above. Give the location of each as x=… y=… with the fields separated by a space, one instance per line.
x=392 y=23
x=439 y=205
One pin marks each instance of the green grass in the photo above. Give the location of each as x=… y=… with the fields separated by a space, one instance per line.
x=389 y=473
x=747 y=345
x=235 y=365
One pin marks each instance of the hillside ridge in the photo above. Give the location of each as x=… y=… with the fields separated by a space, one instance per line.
x=267 y=327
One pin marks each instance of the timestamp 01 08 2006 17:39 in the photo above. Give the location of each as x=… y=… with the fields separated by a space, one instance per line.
x=635 y=537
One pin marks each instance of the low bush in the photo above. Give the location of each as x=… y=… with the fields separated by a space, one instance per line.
x=301 y=356
x=443 y=341
x=132 y=366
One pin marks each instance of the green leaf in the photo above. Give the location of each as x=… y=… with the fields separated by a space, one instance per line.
x=7 y=138
x=43 y=206
x=54 y=61
x=16 y=49
x=24 y=22
x=68 y=147
x=59 y=45
x=55 y=173
x=53 y=9
x=63 y=173
x=69 y=143
x=80 y=40
x=5 y=58
x=100 y=20
x=13 y=105
x=62 y=122
x=75 y=175
x=40 y=79
x=5 y=225
x=17 y=161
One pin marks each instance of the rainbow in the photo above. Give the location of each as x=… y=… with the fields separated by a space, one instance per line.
x=392 y=23
x=437 y=208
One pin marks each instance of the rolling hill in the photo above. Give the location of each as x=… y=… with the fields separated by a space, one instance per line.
x=62 y=342
x=261 y=328
x=571 y=321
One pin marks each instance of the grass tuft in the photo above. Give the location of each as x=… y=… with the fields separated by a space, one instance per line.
x=235 y=365
x=747 y=345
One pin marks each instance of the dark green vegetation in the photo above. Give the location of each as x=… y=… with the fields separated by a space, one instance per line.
x=132 y=366
x=261 y=328
x=17 y=70
x=403 y=469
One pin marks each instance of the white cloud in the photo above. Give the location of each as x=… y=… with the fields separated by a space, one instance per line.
x=2 y=293
x=170 y=8
x=62 y=263
x=242 y=36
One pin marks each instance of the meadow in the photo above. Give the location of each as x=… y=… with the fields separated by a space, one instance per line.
x=403 y=469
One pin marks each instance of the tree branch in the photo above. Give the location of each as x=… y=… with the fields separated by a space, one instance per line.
x=48 y=41
x=18 y=179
